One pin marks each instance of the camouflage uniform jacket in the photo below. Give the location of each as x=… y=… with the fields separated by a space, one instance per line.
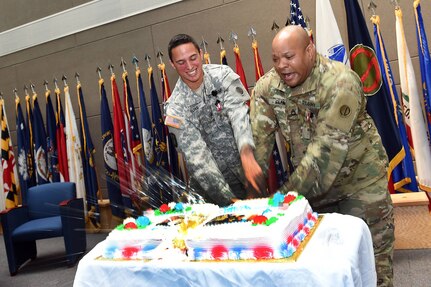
x=335 y=148
x=210 y=130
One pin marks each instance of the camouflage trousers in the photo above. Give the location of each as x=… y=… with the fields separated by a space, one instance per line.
x=374 y=205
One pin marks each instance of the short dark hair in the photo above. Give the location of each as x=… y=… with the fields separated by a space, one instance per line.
x=181 y=39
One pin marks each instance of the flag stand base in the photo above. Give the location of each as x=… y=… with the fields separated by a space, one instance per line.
x=412 y=220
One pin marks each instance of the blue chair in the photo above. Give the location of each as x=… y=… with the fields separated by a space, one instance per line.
x=52 y=210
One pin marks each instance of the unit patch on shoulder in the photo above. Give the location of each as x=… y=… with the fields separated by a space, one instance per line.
x=345 y=111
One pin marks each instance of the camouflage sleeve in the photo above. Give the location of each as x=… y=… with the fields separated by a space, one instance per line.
x=263 y=125
x=235 y=103
x=199 y=159
x=327 y=151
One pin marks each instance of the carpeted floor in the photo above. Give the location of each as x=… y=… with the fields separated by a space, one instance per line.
x=411 y=267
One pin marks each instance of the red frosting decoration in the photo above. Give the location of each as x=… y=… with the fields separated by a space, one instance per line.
x=289 y=239
x=263 y=252
x=289 y=198
x=295 y=243
x=259 y=219
x=300 y=226
x=219 y=252
x=164 y=208
x=309 y=216
x=129 y=251
x=130 y=225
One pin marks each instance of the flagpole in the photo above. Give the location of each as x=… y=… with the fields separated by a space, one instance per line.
x=206 y=55
x=220 y=41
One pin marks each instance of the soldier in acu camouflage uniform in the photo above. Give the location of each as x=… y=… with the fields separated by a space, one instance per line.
x=340 y=163
x=208 y=114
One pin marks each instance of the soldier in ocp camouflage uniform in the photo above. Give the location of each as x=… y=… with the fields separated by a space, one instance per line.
x=339 y=160
x=208 y=114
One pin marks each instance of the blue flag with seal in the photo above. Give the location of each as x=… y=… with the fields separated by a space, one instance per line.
x=111 y=170
x=51 y=140
x=424 y=60
x=408 y=183
x=39 y=136
x=164 y=193
x=89 y=165
x=147 y=132
x=364 y=62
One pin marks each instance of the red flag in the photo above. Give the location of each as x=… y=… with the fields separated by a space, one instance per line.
x=257 y=62
x=239 y=68
x=134 y=144
x=11 y=187
x=120 y=144
x=61 y=139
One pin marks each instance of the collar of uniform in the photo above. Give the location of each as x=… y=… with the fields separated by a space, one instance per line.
x=310 y=84
x=208 y=84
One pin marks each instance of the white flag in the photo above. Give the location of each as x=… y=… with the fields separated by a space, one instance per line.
x=412 y=107
x=73 y=144
x=328 y=38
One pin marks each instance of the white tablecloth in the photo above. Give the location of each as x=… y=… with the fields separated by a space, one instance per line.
x=340 y=253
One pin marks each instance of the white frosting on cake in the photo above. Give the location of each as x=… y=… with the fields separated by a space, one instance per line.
x=245 y=240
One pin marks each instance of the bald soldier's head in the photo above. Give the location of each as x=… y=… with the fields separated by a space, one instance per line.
x=293 y=55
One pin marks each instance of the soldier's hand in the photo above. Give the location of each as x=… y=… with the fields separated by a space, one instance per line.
x=256 y=184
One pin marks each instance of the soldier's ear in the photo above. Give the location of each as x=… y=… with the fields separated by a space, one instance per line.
x=172 y=64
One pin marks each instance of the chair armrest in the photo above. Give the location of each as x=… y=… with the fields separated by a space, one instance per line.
x=12 y=218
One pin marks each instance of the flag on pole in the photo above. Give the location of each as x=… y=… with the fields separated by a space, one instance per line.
x=207 y=59
x=11 y=188
x=92 y=191
x=159 y=132
x=147 y=132
x=239 y=67
x=120 y=145
x=173 y=156
x=328 y=38
x=23 y=150
x=63 y=169
x=30 y=155
x=364 y=62
x=276 y=174
x=39 y=135
x=409 y=182
x=133 y=139
x=111 y=170
x=158 y=125
x=223 y=59
x=424 y=60
x=297 y=17
x=258 y=68
x=412 y=107
x=74 y=149
x=51 y=140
